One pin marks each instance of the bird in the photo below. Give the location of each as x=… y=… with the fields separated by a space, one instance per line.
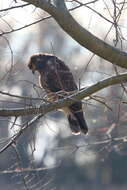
x=57 y=80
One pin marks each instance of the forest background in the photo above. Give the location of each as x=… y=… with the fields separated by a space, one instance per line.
x=40 y=152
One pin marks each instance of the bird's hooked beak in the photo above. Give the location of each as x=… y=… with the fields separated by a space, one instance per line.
x=32 y=68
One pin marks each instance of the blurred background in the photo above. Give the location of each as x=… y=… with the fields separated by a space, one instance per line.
x=47 y=156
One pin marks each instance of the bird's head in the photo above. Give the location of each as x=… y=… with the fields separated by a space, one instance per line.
x=36 y=62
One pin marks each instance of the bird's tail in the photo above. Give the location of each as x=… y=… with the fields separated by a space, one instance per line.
x=81 y=121
x=74 y=126
x=77 y=123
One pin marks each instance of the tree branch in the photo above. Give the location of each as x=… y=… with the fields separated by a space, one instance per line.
x=47 y=107
x=18 y=134
x=14 y=7
x=80 y=34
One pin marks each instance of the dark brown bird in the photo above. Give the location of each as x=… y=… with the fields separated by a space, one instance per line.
x=56 y=78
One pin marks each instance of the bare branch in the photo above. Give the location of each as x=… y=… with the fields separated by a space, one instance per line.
x=25 y=26
x=20 y=97
x=45 y=18
x=17 y=135
x=28 y=170
x=81 y=35
x=14 y=7
x=47 y=107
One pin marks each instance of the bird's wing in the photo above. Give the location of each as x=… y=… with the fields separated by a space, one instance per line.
x=65 y=77
x=75 y=117
x=58 y=77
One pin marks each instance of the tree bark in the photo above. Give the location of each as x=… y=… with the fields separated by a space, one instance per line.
x=80 y=34
x=47 y=107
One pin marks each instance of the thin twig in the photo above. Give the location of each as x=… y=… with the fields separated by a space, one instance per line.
x=14 y=7
x=17 y=135
x=47 y=107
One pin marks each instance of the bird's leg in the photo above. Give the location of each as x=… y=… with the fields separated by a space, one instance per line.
x=52 y=96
